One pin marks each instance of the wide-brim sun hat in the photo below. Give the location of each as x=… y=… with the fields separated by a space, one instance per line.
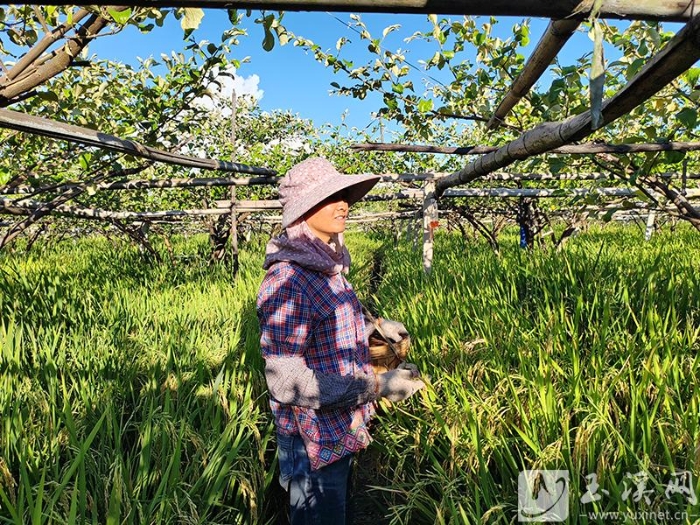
x=313 y=180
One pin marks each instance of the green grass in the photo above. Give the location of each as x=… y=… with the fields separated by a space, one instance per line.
x=583 y=360
x=128 y=392
x=132 y=392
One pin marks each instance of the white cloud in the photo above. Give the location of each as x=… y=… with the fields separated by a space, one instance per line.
x=246 y=87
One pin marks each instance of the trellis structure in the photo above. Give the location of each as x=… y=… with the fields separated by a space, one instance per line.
x=620 y=9
x=681 y=52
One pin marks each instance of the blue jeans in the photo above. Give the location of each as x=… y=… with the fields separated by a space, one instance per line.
x=316 y=497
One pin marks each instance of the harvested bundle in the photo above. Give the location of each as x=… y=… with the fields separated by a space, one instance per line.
x=385 y=355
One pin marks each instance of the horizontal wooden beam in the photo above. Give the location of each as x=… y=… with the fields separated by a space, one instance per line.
x=386 y=178
x=12 y=207
x=569 y=149
x=532 y=177
x=355 y=219
x=58 y=130
x=541 y=193
x=197 y=182
x=250 y=205
x=8 y=206
x=674 y=10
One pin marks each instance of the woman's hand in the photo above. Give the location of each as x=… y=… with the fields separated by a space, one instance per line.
x=393 y=330
x=400 y=383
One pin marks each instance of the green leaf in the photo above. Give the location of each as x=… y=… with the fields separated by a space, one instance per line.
x=84 y=160
x=48 y=96
x=692 y=76
x=608 y=215
x=120 y=17
x=397 y=88
x=674 y=157
x=192 y=19
x=688 y=117
x=114 y=508
x=425 y=105
x=390 y=29
x=634 y=67
x=269 y=40
x=283 y=38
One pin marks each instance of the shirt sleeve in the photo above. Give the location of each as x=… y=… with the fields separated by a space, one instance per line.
x=291 y=382
x=286 y=318
x=285 y=314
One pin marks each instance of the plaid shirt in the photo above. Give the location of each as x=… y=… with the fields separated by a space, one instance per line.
x=317 y=317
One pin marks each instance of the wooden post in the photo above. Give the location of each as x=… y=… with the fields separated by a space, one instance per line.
x=234 y=101
x=234 y=233
x=651 y=218
x=430 y=216
x=234 y=215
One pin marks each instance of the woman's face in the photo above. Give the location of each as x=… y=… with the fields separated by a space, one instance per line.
x=329 y=216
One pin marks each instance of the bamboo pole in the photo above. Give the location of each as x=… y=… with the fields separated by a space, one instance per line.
x=249 y=181
x=430 y=218
x=671 y=10
x=61 y=131
x=12 y=207
x=567 y=149
x=248 y=205
x=359 y=219
x=534 y=177
x=541 y=193
x=145 y=184
x=234 y=200
x=557 y=34
x=651 y=219
x=234 y=231
x=681 y=52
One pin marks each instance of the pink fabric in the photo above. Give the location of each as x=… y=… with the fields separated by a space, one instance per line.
x=299 y=245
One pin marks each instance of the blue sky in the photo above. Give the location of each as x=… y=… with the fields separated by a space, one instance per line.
x=287 y=76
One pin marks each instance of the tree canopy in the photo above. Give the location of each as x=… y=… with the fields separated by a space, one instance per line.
x=172 y=102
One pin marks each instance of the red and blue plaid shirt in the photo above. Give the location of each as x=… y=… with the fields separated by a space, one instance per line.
x=316 y=316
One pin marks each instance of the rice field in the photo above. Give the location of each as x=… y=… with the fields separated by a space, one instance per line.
x=132 y=392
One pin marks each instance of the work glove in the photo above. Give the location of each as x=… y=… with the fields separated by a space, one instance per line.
x=394 y=331
x=400 y=383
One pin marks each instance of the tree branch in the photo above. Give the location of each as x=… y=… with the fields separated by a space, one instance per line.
x=56 y=65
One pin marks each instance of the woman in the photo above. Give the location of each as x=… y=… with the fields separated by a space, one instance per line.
x=314 y=341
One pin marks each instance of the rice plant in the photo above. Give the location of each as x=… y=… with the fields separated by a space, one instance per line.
x=126 y=395
x=132 y=392
x=582 y=360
